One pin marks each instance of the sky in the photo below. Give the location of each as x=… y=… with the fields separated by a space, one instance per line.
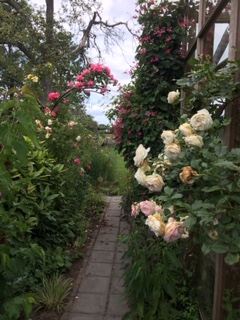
x=120 y=60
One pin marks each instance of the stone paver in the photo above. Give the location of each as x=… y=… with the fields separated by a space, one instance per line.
x=98 y=291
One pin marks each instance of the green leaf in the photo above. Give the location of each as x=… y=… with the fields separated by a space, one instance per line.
x=219 y=248
x=211 y=189
x=20 y=146
x=190 y=222
x=206 y=248
x=231 y=258
x=226 y=164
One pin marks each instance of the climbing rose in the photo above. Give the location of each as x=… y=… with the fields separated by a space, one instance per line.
x=202 y=120
x=172 y=151
x=168 y=136
x=140 y=177
x=173 y=96
x=187 y=175
x=53 y=96
x=174 y=230
x=154 y=182
x=148 y=207
x=77 y=161
x=156 y=224
x=141 y=154
x=194 y=140
x=186 y=129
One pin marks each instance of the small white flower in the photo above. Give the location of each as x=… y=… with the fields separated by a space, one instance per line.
x=49 y=122
x=141 y=154
x=78 y=138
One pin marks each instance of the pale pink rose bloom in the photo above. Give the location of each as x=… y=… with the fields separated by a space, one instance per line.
x=148 y=207
x=174 y=230
x=135 y=209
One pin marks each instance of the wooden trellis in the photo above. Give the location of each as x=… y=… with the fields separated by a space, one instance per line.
x=224 y=11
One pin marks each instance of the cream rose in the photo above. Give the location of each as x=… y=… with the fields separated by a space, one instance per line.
x=202 y=120
x=194 y=140
x=49 y=122
x=174 y=230
x=140 y=177
x=168 y=136
x=141 y=154
x=173 y=96
x=172 y=151
x=156 y=224
x=154 y=182
x=186 y=129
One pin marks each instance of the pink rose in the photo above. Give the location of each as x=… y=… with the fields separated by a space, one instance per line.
x=147 y=207
x=77 y=161
x=174 y=230
x=53 y=96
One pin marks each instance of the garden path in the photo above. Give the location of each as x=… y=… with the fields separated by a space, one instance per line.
x=98 y=291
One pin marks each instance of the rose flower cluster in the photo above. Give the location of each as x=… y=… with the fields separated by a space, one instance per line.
x=186 y=136
x=170 y=231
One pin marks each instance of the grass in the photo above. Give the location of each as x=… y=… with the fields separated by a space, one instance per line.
x=53 y=293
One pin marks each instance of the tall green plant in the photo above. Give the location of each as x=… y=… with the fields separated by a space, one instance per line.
x=141 y=110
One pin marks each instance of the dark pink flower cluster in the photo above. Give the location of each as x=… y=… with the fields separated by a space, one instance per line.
x=96 y=76
x=53 y=96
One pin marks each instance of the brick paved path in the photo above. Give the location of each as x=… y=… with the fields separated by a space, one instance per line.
x=97 y=293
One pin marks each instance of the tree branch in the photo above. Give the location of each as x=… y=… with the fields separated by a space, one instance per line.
x=92 y=22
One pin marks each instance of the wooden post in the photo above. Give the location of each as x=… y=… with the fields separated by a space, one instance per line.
x=231 y=139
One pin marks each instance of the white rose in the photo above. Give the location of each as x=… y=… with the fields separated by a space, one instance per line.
x=202 y=120
x=78 y=138
x=186 y=129
x=49 y=122
x=167 y=136
x=173 y=96
x=154 y=182
x=172 y=151
x=140 y=177
x=156 y=224
x=194 y=140
x=141 y=154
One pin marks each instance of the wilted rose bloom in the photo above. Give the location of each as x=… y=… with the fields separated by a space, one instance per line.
x=187 y=175
x=156 y=224
x=154 y=182
x=49 y=122
x=186 y=129
x=202 y=120
x=172 y=151
x=49 y=130
x=39 y=125
x=148 y=207
x=135 y=209
x=174 y=230
x=194 y=140
x=168 y=136
x=141 y=154
x=78 y=138
x=213 y=234
x=173 y=96
x=140 y=177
